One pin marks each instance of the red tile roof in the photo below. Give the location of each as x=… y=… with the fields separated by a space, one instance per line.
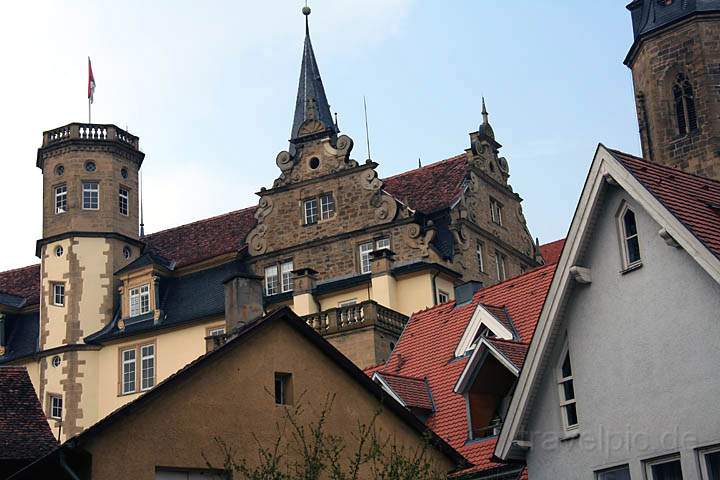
x=432 y=187
x=551 y=251
x=22 y=282
x=204 y=239
x=693 y=200
x=501 y=315
x=24 y=431
x=413 y=391
x=423 y=352
x=512 y=350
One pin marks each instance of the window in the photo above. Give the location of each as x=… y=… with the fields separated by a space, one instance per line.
x=283 y=388
x=496 y=211
x=123 y=197
x=90 y=166
x=58 y=294
x=128 y=371
x=139 y=300
x=56 y=406
x=667 y=468
x=311 y=211
x=479 y=255
x=287 y=277
x=567 y=391
x=126 y=252
x=500 y=266
x=215 y=331
x=327 y=206
x=147 y=367
x=630 y=239
x=91 y=195
x=61 y=199
x=442 y=297
x=366 y=248
x=617 y=473
x=271 y=280
x=59 y=251
x=685 y=113
x=710 y=463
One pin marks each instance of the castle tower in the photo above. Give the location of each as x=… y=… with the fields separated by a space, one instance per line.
x=90 y=230
x=675 y=63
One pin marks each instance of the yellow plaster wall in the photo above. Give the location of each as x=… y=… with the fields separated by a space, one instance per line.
x=55 y=269
x=446 y=285
x=89 y=375
x=173 y=350
x=53 y=375
x=332 y=300
x=93 y=254
x=414 y=292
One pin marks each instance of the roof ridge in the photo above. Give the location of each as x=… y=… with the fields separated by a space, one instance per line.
x=665 y=167
x=195 y=222
x=429 y=165
x=522 y=276
x=34 y=265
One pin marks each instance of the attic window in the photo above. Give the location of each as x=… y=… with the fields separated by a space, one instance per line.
x=283 y=388
x=630 y=241
x=566 y=386
x=139 y=300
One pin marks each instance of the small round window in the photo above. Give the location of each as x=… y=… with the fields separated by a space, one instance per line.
x=58 y=251
x=124 y=172
x=59 y=170
x=56 y=361
x=127 y=252
x=90 y=166
x=314 y=163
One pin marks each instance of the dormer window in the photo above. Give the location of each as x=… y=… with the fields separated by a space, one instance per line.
x=139 y=300
x=566 y=386
x=630 y=241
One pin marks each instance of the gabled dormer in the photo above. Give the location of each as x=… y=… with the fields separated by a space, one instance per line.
x=487 y=322
x=140 y=289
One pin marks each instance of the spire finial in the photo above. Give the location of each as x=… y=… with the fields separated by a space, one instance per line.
x=142 y=213
x=306 y=11
x=484 y=112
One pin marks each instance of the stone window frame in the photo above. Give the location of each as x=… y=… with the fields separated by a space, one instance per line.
x=283 y=277
x=125 y=198
x=83 y=184
x=376 y=245
x=496 y=211
x=649 y=464
x=311 y=211
x=480 y=255
x=624 y=238
x=325 y=207
x=684 y=107
x=60 y=197
x=500 y=266
x=49 y=407
x=54 y=294
x=319 y=211
x=137 y=349
x=702 y=461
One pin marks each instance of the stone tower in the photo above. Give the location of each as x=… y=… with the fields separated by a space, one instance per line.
x=675 y=63
x=90 y=230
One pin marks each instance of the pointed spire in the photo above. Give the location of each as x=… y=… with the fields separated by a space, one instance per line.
x=142 y=213
x=311 y=103
x=485 y=113
x=485 y=129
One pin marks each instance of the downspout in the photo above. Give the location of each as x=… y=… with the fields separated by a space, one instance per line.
x=66 y=467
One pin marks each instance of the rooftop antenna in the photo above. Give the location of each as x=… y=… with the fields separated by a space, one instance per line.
x=142 y=214
x=367 y=130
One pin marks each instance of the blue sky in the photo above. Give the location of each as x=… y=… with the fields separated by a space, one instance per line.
x=210 y=89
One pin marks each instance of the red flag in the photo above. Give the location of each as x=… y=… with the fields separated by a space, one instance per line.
x=91 y=82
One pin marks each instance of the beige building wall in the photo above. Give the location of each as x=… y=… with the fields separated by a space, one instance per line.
x=228 y=397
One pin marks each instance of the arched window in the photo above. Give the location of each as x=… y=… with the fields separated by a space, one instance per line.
x=566 y=385
x=629 y=240
x=684 y=105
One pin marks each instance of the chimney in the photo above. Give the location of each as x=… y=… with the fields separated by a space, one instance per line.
x=384 y=285
x=304 y=283
x=243 y=300
x=465 y=291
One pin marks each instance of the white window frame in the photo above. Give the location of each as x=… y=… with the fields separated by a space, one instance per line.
x=659 y=461
x=127 y=365
x=311 y=213
x=60 y=198
x=215 y=331
x=124 y=201
x=366 y=248
x=624 y=238
x=286 y=277
x=56 y=406
x=500 y=266
x=139 y=300
x=147 y=366
x=600 y=475
x=480 y=254
x=442 y=297
x=327 y=206
x=92 y=189
x=702 y=452
x=58 y=292
x=564 y=402
x=496 y=211
x=272 y=286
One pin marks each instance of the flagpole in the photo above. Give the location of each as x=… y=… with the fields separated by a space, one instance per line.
x=89 y=113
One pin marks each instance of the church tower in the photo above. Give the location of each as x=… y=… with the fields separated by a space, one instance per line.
x=675 y=63
x=90 y=230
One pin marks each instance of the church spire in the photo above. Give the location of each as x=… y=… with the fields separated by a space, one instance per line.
x=311 y=103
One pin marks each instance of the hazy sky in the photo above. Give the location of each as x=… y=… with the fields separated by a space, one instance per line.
x=209 y=88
